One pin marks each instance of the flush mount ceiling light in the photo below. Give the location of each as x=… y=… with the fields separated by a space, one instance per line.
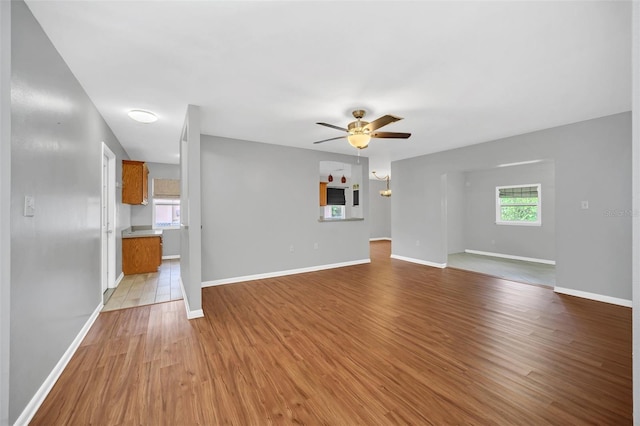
x=142 y=116
x=384 y=192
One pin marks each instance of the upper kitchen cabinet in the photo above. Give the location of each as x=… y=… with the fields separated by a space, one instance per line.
x=135 y=182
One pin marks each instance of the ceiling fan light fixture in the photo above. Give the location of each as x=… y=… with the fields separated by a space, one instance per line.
x=359 y=140
x=385 y=193
x=142 y=116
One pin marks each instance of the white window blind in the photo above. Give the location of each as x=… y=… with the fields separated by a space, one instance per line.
x=168 y=189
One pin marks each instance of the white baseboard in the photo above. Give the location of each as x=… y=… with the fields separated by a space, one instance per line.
x=283 y=273
x=593 y=296
x=419 y=261
x=118 y=280
x=380 y=239
x=508 y=256
x=37 y=400
x=191 y=314
x=171 y=256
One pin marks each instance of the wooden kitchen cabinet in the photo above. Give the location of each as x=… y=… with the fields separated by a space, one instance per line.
x=323 y=194
x=135 y=182
x=141 y=255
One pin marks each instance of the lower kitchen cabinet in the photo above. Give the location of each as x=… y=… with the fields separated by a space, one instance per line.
x=141 y=255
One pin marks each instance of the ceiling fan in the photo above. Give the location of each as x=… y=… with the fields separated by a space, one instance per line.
x=360 y=132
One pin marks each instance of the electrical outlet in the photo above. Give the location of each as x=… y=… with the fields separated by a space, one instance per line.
x=417 y=243
x=584 y=205
x=29 y=206
x=315 y=246
x=291 y=248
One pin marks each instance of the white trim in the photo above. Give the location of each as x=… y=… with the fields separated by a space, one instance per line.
x=593 y=296
x=108 y=239
x=283 y=273
x=118 y=280
x=518 y=223
x=198 y=313
x=171 y=256
x=37 y=400
x=509 y=256
x=380 y=239
x=419 y=261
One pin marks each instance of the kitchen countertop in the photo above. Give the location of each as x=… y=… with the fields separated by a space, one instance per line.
x=141 y=232
x=350 y=219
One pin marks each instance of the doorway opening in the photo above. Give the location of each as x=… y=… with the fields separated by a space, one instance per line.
x=108 y=221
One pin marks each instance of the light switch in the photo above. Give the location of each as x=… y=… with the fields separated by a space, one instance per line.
x=584 y=205
x=29 y=206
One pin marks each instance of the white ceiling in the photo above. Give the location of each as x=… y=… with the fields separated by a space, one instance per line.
x=460 y=73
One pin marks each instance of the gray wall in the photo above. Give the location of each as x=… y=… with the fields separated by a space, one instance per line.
x=56 y=156
x=143 y=215
x=258 y=200
x=5 y=194
x=191 y=213
x=379 y=210
x=636 y=207
x=592 y=163
x=456 y=212
x=481 y=231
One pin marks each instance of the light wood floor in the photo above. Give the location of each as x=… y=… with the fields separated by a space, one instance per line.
x=386 y=343
x=146 y=289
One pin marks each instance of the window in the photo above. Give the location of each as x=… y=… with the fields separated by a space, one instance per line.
x=166 y=214
x=518 y=205
x=334 y=212
x=166 y=204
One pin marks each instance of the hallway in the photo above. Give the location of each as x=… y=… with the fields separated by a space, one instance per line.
x=146 y=289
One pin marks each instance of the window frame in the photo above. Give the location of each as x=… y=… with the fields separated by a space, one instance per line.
x=499 y=220
x=163 y=202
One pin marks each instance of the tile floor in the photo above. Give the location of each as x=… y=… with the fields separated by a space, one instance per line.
x=514 y=270
x=146 y=289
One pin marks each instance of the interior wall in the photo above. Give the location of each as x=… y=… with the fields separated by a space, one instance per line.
x=592 y=163
x=379 y=210
x=191 y=213
x=456 y=212
x=636 y=208
x=56 y=157
x=259 y=201
x=5 y=211
x=143 y=215
x=482 y=232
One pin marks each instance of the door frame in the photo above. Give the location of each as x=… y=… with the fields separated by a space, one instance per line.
x=108 y=238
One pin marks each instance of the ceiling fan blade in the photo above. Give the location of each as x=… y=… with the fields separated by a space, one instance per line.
x=333 y=127
x=387 y=135
x=382 y=121
x=331 y=139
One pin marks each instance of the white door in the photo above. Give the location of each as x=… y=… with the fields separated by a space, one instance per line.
x=107 y=220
